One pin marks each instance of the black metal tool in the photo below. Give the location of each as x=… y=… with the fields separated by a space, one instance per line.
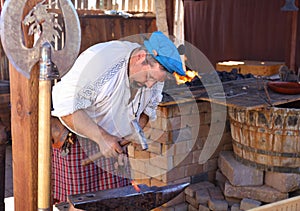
x=127 y=198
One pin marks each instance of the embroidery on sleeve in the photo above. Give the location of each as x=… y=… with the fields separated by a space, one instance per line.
x=88 y=94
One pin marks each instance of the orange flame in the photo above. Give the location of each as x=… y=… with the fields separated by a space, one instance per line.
x=190 y=74
x=135 y=186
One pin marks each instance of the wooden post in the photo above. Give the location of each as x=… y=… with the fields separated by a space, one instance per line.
x=24 y=124
x=161 y=16
x=24 y=101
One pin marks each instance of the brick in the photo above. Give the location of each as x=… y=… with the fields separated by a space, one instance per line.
x=139 y=164
x=211 y=176
x=260 y=193
x=191 y=120
x=192 y=201
x=193 y=169
x=159 y=135
x=191 y=208
x=215 y=193
x=183 y=109
x=283 y=182
x=182 y=159
x=183 y=134
x=180 y=199
x=195 y=132
x=159 y=123
x=181 y=207
x=141 y=154
x=231 y=200
x=163 y=162
x=191 y=190
x=143 y=178
x=221 y=179
x=191 y=144
x=203 y=208
x=154 y=147
x=211 y=165
x=168 y=149
x=181 y=148
x=176 y=123
x=247 y=204
x=215 y=204
x=155 y=171
x=235 y=207
x=196 y=155
x=237 y=173
x=202 y=196
x=204 y=130
x=173 y=174
x=175 y=111
x=131 y=150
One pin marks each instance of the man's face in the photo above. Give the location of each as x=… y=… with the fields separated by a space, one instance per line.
x=146 y=75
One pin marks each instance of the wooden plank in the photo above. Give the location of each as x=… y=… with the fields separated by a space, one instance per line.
x=291 y=204
x=108 y=27
x=263 y=68
x=24 y=98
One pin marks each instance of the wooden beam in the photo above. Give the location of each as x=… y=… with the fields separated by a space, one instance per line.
x=24 y=100
x=24 y=124
x=161 y=16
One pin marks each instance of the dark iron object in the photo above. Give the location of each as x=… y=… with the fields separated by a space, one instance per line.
x=289 y=6
x=127 y=198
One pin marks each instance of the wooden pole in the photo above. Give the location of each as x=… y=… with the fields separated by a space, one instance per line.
x=44 y=146
x=44 y=139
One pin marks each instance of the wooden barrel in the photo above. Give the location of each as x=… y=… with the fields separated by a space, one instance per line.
x=267 y=138
x=5 y=103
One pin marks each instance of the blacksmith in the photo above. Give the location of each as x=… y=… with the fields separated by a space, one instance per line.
x=110 y=86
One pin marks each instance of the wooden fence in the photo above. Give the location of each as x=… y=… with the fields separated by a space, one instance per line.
x=125 y=5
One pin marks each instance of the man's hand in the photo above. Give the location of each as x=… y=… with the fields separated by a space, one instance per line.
x=110 y=146
x=123 y=143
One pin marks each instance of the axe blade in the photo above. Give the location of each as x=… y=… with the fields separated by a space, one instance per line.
x=126 y=198
x=24 y=58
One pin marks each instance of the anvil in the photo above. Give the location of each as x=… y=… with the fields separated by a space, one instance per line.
x=127 y=198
